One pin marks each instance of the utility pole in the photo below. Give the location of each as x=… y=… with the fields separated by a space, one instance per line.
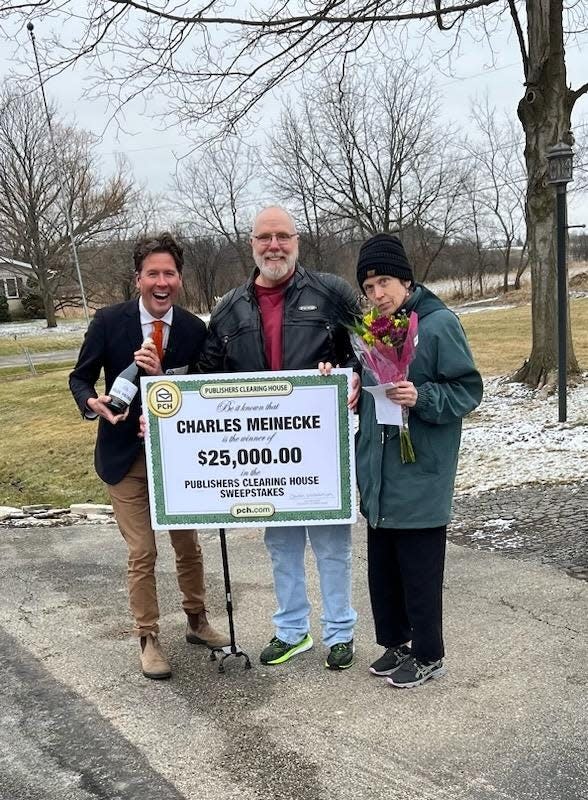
x=61 y=177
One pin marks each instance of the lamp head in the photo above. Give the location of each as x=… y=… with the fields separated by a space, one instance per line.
x=560 y=158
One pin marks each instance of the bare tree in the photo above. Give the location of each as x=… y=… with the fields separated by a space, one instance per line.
x=107 y=264
x=209 y=270
x=497 y=160
x=294 y=172
x=474 y=240
x=32 y=198
x=579 y=248
x=172 y=47
x=366 y=144
x=213 y=195
x=367 y=154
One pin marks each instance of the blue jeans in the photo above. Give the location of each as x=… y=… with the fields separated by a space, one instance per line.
x=332 y=549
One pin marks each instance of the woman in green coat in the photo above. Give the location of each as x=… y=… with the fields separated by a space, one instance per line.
x=408 y=505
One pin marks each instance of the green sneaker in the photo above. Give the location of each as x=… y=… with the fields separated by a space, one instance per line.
x=278 y=651
x=341 y=656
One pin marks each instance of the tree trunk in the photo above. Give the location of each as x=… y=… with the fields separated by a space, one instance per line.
x=506 y=267
x=523 y=264
x=49 y=311
x=46 y=296
x=545 y=114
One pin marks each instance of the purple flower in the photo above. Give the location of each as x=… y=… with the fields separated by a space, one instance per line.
x=381 y=326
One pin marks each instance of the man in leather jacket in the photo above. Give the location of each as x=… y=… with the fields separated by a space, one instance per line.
x=285 y=317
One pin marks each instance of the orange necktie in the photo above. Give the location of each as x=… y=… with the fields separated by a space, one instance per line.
x=157 y=337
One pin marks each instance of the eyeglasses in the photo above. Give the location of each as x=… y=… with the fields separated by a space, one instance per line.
x=281 y=238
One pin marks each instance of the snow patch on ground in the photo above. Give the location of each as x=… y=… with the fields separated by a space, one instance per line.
x=493 y=534
x=475 y=309
x=514 y=438
x=38 y=327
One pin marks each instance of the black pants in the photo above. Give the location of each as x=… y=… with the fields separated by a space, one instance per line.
x=405 y=573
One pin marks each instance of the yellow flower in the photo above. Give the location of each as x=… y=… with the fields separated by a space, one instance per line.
x=369 y=317
x=369 y=338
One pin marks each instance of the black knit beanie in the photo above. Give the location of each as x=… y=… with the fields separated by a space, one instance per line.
x=383 y=254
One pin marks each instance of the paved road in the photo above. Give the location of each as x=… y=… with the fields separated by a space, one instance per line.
x=21 y=360
x=79 y=722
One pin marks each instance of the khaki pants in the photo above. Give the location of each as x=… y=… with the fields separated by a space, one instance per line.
x=130 y=502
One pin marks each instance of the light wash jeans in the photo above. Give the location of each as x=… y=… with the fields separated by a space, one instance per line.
x=332 y=549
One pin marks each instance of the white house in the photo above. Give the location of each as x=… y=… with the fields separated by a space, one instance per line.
x=13 y=278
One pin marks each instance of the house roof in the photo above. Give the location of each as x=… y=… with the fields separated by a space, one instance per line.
x=10 y=264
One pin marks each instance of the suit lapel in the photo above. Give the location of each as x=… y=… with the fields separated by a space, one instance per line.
x=175 y=337
x=133 y=325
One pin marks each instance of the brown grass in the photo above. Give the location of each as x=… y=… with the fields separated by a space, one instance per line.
x=43 y=343
x=47 y=447
x=501 y=339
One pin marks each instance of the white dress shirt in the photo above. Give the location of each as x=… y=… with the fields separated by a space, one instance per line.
x=147 y=322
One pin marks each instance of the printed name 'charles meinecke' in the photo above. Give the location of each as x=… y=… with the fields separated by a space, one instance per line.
x=297 y=422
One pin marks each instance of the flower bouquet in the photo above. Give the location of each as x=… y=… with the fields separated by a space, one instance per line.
x=386 y=345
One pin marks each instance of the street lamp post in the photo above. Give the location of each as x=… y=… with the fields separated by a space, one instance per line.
x=560 y=169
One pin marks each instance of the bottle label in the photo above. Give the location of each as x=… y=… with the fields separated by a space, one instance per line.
x=124 y=390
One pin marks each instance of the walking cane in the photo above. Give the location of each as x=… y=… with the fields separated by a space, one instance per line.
x=232 y=649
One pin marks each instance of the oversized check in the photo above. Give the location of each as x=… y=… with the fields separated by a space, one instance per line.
x=246 y=449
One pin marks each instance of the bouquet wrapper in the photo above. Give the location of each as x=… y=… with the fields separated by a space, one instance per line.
x=389 y=365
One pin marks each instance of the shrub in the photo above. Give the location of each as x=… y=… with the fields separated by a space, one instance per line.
x=4 y=309
x=33 y=306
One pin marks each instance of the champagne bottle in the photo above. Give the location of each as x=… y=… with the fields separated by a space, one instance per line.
x=126 y=385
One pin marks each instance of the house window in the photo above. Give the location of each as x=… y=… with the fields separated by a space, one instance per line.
x=10 y=288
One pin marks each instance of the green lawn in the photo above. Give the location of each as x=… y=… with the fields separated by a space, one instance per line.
x=47 y=449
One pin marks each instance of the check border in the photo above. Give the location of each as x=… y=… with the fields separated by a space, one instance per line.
x=344 y=514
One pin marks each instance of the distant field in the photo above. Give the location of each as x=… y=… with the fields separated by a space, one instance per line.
x=501 y=339
x=48 y=449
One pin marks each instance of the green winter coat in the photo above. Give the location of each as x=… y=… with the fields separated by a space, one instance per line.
x=419 y=495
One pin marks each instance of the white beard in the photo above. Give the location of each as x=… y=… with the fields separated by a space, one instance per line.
x=275 y=270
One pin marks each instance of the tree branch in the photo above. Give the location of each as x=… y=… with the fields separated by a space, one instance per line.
x=322 y=16
x=577 y=93
x=520 y=36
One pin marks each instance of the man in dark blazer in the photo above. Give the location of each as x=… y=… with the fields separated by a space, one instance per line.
x=112 y=342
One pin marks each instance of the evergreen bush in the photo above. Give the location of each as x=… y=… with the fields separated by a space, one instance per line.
x=4 y=309
x=33 y=306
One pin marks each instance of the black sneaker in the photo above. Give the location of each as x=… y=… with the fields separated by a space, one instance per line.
x=278 y=651
x=393 y=659
x=414 y=672
x=340 y=655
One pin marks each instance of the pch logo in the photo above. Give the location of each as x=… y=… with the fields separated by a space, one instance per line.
x=164 y=399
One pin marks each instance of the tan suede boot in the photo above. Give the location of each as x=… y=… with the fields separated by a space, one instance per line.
x=154 y=664
x=199 y=631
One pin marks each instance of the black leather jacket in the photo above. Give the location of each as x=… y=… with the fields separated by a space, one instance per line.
x=317 y=308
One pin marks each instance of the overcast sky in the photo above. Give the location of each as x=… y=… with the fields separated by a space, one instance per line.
x=152 y=152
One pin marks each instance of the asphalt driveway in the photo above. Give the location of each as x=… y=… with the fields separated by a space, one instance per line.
x=79 y=721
